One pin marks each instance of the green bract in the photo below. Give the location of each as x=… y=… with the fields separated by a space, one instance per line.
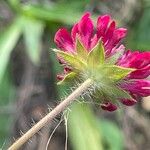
x=104 y=73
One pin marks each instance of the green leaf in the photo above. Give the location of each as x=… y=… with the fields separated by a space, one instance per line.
x=139 y=35
x=33 y=30
x=111 y=134
x=96 y=56
x=70 y=76
x=53 y=13
x=15 y=4
x=116 y=73
x=83 y=128
x=81 y=50
x=8 y=41
x=72 y=60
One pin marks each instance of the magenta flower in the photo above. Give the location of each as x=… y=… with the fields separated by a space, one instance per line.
x=118 y=75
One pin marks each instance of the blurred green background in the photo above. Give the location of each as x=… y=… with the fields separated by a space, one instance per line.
x=28 y=71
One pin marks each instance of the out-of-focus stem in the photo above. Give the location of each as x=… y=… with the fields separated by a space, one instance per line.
x=50 y=116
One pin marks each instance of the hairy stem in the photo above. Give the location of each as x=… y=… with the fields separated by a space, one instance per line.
x=50 y=116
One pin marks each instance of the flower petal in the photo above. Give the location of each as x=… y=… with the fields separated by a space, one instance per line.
x=139 y=87
x=135 y=59
x=142 y=60
x=110 y=31
x=67 y=69
x=64 y=40
x=60 y=77
x=140 y=73
x=117 y=36
x=102 y=24
x=61 y=60
x=128 y=102
x=108 y=106
x=74 y=32
x=94 y=41
x=86 y=28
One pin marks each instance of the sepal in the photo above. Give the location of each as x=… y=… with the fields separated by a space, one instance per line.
x=81 y=50
x=72 y=60
x=96 y=56
x=70 y=76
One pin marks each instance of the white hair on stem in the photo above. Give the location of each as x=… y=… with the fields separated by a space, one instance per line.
x=48 y=142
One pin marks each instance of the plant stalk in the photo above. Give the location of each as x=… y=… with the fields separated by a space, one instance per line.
x=51 y=115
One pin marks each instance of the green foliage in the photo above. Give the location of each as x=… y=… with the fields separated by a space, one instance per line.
x=4 y=127
x=111 y=135
x=7 y=93
x=88 y=132
x=33 y=30
x=54 y=13
x=139 y=35
x=8 y=41
x=31 y=22
x=83 y=129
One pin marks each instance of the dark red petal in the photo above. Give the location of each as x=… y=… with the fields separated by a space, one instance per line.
x=94 y=41
x=110 y=31
x=127 y=57
x=139 y=87
x=140 y=73
x=86 y=28
x=118 y=35
x=115 y=50
x=67 y=69
x=64 y=40
x=128 y=102
x=60 y=77
x=61 y=60
x=142 y=60
x=102 y=24
x=135 y=59
x=74 y=32
x=108 y=106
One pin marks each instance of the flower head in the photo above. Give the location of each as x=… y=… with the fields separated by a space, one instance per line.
x=118 y=75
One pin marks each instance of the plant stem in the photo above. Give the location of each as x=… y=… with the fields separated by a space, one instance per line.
x=50 y=116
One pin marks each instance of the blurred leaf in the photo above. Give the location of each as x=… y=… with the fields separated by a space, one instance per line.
x=83 y=128
x=6 y=89
x=8 y=41
x=4 y=128
x=7 y=93
x=14 y=2
x=33 y=30
x=139 y=36
x=55 y=13
x=111 y=135
x=15 y=5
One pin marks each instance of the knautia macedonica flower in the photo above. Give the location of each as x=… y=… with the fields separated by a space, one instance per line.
x=118 y=75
